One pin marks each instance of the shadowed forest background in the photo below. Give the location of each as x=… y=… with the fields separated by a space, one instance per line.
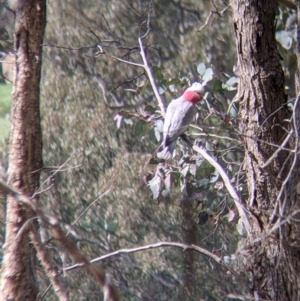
x=100 y=129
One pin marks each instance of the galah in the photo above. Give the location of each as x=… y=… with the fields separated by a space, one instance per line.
x=179 y=115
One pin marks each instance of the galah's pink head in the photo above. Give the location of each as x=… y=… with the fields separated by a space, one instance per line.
x=194 y=93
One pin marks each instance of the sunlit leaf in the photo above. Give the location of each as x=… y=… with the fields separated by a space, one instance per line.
x=168 y=181
x=227 y=259
x=157 y=135
x=185 y=170
x=233 y=112
x=159 y=125
x=231 y=84
x=128 y=121
x=154 y=135
x=284 y=37
x=241 y=228
x=231 y=215
x=118 y=118
x=201 y=68
x=154 y=186
x=208 y=75
x=165 y=193
x=214 y=177
x=161 y=90
x=204 y=183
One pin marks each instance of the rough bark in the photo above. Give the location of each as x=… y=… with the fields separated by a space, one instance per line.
x=25 y=155
x=272 y=193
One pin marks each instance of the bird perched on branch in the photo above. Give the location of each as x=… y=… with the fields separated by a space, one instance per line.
x=179 y=115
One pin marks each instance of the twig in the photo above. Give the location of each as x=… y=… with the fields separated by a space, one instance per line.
x=220 y=14
x=89 y=206
x=149 y=247
x=42 y=191
x=206 y=22
x=295 y=151
x=228 y=185
x=279 y=149
x=121 y=60
x=151 y=79
x=70 y=48
x=59 y=169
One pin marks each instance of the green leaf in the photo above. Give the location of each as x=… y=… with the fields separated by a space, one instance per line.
x=157 y=73
x=174 y=81
x=217 y=86
x=154 y=135
x=140 y=128
x=210 y=198
x=112 y=227
x=149 y=109
x=176 y=176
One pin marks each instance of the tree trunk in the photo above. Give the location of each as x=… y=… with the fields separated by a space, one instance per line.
x=272 y=189
x=25 y=155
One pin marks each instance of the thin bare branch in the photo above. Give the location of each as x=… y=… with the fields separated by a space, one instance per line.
x=69 y=48
x=210 y=16
x=59 y=169
x=89 y=206
x=151 y=79
x=149 y=247
x=285 y=141
x=230 y=188
x=295 y=153
x=120 y=60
